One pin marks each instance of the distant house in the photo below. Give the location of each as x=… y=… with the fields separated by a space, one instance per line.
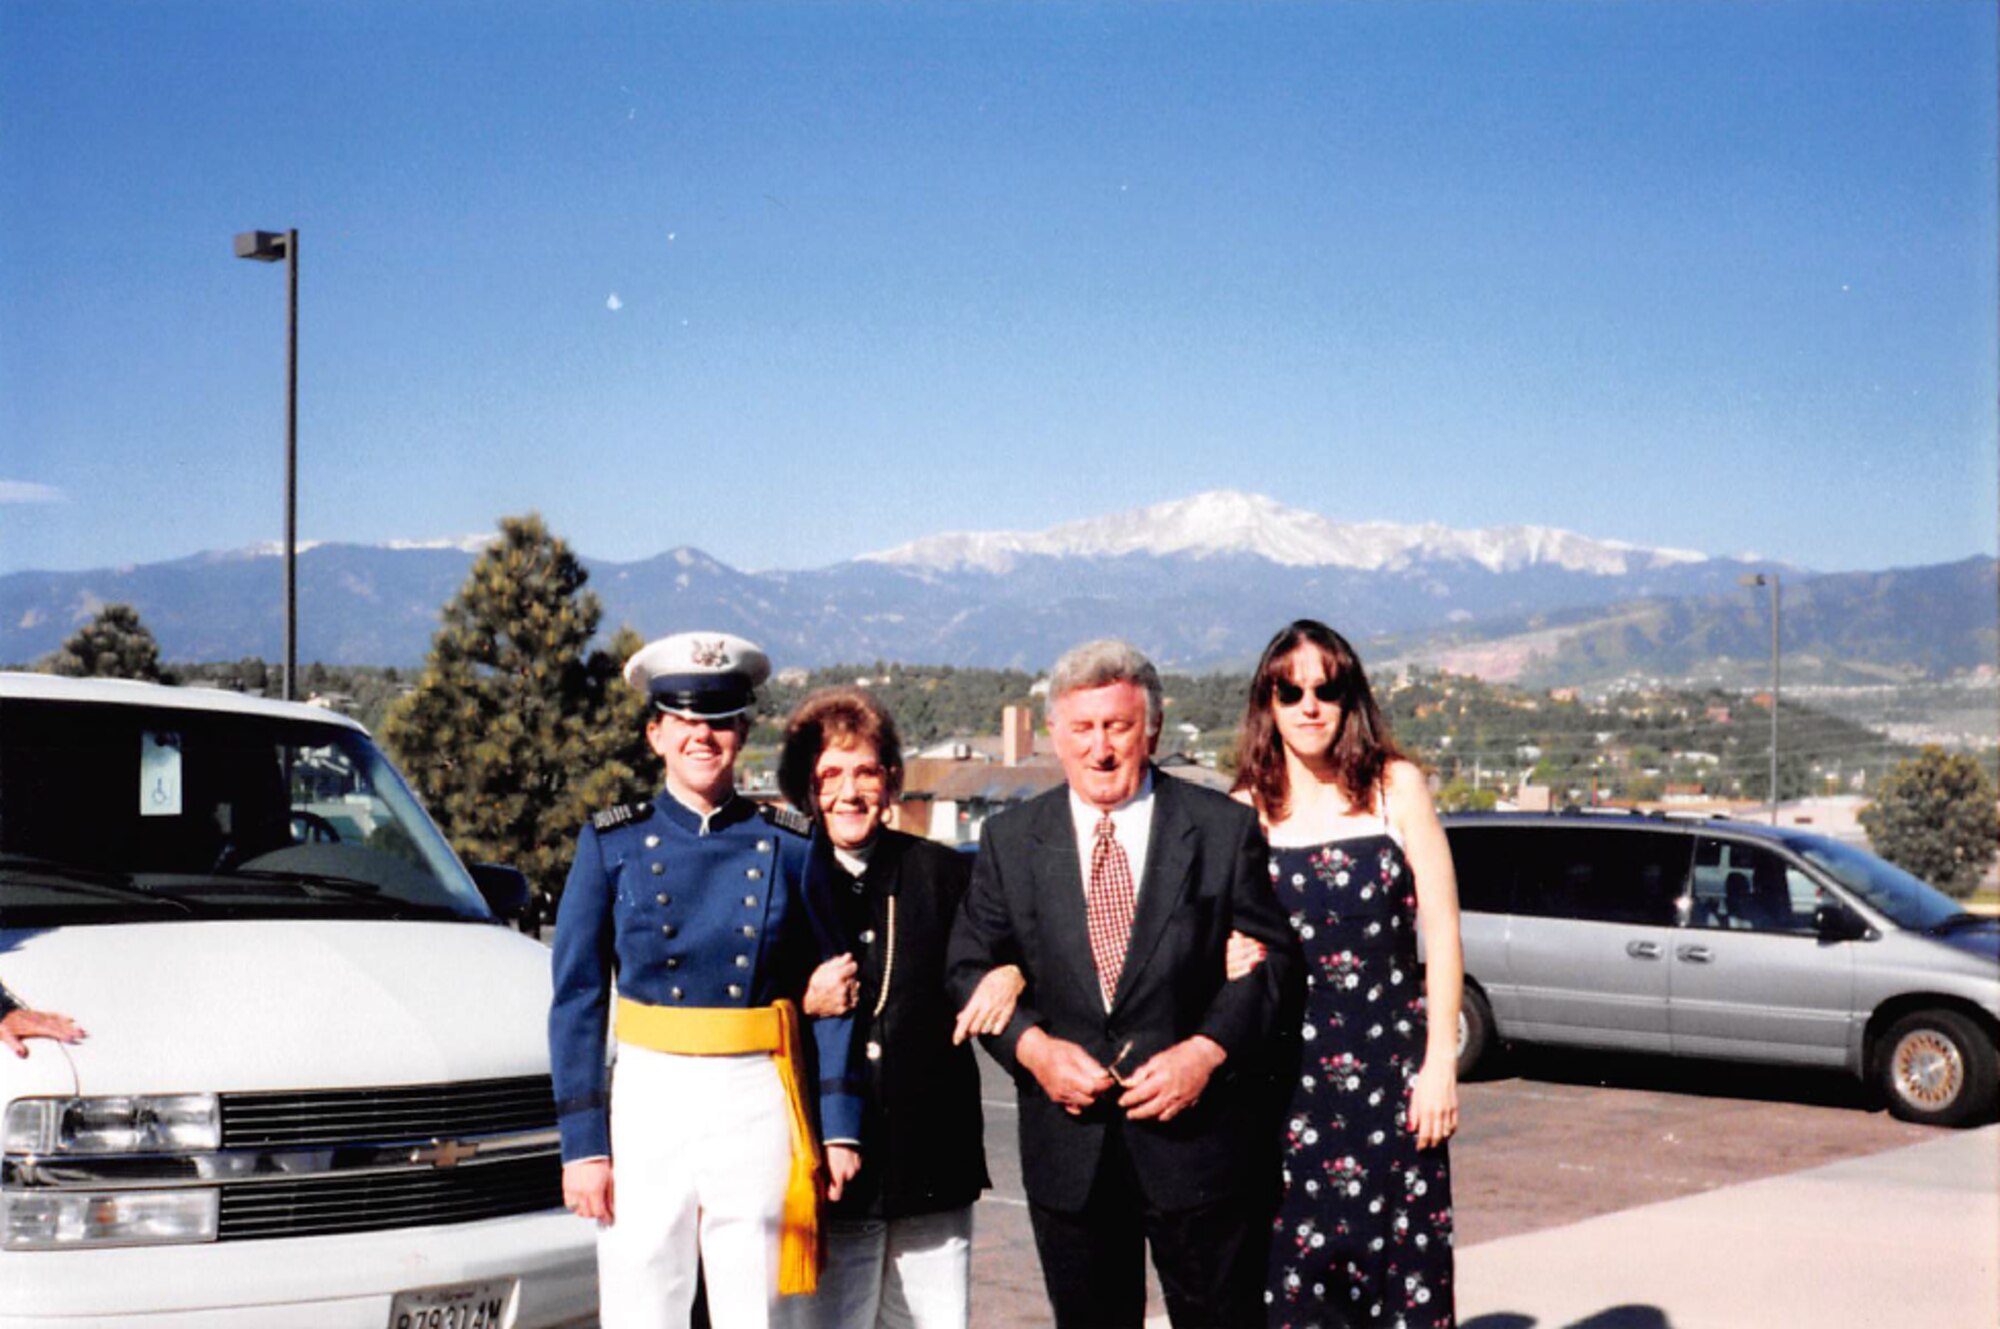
x=952 y=787
x=949 y=800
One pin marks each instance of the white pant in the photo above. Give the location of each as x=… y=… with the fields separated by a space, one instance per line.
x=700 y=1152
x=902 y=1273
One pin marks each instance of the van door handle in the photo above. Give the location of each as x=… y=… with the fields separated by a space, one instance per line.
x=1695 y=954
x=1643 y=950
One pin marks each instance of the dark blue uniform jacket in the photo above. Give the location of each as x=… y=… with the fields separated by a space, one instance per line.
x=733 y=914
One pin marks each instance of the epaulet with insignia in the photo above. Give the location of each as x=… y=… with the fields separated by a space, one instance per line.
x=612 y=818
x=787 y=819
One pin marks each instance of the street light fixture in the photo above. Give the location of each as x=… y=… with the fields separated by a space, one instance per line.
x=1770 y=579
x=271 y=247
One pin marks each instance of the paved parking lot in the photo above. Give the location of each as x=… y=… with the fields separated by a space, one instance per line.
x=1560 y=1140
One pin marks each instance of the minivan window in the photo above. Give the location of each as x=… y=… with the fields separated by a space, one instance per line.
x=1905 y=900
x=1603 y=876
x=1484 y=866
x=1742 y=887
x=113 y=813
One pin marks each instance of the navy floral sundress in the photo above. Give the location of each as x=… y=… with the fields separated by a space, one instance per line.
x=1363 y=1236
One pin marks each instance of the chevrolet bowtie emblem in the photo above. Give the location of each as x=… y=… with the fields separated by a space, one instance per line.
x=444 y=1153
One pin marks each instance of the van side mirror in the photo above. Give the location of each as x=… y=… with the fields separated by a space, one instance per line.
x=1837 y=923
x=505 y=888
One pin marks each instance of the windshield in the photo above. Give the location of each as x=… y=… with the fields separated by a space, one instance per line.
x=113 y=813
x=1886 y=888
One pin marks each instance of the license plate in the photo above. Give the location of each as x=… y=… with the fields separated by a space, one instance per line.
x=488 y=1305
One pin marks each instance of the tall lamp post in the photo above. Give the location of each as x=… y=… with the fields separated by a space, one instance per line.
x=270 y=247
x=1770 y=579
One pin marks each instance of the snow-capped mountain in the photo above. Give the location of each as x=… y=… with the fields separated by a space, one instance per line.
x=1200 y=583
x=1226 y=521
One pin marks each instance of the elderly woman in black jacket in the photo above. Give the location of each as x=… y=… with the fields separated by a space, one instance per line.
x=899 y=1243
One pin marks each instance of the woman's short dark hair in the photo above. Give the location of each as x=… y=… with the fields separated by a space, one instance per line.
x=836 y=717
x=1362 y=746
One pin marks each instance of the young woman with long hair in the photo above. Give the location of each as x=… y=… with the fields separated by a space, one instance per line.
x=1360 y=862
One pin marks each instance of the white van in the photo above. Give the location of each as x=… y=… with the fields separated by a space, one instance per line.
x=315 y=1090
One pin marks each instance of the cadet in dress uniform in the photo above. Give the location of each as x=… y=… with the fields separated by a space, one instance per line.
x=705 y=912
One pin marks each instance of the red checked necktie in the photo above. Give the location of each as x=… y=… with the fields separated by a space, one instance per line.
x=1107 y=905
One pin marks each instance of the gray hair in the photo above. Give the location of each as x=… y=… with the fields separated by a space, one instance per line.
x=1096 y=664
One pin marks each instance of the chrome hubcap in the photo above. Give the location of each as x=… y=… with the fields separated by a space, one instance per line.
x=1464 y=1032
x=1927 y=1069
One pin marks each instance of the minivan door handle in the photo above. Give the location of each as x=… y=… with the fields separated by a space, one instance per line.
x=1695 y=954
x=1643 y=950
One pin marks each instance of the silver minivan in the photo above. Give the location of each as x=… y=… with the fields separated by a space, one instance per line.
x=1728 y=940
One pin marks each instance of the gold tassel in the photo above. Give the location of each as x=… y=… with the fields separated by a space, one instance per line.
x=801 y=1254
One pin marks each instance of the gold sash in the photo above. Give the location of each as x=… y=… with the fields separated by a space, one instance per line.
x=728 y=1031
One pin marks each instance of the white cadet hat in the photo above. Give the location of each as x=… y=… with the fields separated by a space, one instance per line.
x=699 y=675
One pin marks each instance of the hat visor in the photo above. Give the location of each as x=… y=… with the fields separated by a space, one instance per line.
x=680 y=707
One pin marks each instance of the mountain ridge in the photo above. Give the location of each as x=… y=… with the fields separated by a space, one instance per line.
x=1193 y=583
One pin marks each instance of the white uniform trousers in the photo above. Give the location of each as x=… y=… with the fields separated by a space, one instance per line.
x=700 y=1152
x=898 y=1273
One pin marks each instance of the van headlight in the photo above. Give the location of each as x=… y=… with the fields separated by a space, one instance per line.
x=136 y=1124
x=74 y=1215
x=56 y=1220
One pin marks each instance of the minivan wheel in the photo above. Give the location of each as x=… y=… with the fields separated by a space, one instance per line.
x=1938 y=1068
x=1475 y=1031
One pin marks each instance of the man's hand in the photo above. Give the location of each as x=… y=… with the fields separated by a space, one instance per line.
x=21 y=1024
x=991 y=1005
x=587 y=1188
x=842 y=1162
x=1172 y=1080
x=833 y=988
x=1070 y=1076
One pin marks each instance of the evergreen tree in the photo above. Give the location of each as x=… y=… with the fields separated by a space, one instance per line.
x=1934 y=816
x=114 y=644
x=517 y=730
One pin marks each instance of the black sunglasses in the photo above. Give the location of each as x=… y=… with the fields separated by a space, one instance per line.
x=1291 y=694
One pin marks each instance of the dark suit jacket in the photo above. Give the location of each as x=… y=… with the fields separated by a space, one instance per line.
x=1206 y=873
x=922 y=1141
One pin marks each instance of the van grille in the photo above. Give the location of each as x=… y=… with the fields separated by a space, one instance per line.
x=372 y=1202
x=319 y=1205
x=359 y=1116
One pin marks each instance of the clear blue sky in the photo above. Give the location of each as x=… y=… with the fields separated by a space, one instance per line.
x=794 y=282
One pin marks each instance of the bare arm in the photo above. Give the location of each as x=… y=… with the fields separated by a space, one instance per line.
x=1434 y=1097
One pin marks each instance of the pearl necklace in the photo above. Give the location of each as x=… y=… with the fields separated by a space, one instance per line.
x=874 y=1048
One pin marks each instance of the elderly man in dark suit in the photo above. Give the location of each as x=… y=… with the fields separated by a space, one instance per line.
x=1116 y=895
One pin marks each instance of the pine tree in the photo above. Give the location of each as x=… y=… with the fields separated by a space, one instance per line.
x=517 y=730
x=1934 y=816
x=114 y=644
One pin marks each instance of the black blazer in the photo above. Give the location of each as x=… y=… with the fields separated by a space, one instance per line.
x=922 y=1143
x=1206 y=872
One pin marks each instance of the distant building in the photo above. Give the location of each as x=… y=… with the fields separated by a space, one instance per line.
x=952 y=787
x=1017 y=735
